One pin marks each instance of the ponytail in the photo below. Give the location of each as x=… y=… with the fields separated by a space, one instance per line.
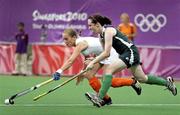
x=107 y=21
x=103 y=20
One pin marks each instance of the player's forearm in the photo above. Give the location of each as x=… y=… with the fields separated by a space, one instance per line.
x=70 y=60
x=65 y=66
x=101 y=57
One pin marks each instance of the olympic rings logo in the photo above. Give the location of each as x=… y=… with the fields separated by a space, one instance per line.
x=150 y=22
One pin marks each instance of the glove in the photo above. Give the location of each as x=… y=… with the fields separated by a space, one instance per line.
x=56 y=76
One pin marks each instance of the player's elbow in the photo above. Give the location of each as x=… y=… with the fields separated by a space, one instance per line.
x=106 y=54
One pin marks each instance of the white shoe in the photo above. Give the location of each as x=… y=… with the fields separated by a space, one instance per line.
x=95 y=99
x=171 y=86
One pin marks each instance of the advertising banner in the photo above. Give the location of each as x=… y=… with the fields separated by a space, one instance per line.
x=46 y=59
x=157 y=21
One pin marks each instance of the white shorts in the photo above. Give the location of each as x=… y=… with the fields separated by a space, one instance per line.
x=113 y=56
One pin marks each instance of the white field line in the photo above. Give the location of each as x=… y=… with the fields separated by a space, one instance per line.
x=73 y=105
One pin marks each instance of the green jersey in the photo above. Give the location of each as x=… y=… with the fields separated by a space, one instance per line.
x=127 y=50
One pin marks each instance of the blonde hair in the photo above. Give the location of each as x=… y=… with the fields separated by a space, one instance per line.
x=70 y=32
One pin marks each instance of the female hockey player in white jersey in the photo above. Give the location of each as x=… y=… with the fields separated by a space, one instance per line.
x=87 y=46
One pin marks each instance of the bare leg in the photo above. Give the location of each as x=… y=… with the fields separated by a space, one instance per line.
x=139 y=74
x=110 y=69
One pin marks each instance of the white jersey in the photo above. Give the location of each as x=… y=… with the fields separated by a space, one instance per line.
x=95 y=47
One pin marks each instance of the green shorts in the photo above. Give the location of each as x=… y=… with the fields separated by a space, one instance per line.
x=130 y=56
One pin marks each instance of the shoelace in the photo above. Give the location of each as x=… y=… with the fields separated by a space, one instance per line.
x=170 y=86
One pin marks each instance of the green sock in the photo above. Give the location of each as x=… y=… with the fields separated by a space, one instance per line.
x=156 y=80
x=105 y=85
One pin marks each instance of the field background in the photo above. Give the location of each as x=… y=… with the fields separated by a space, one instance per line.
x=70 y=99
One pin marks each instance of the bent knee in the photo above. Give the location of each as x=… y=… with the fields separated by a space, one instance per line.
x=142 y=79
x=108 y=71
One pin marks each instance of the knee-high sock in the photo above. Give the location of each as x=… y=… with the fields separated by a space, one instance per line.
x=156 y=80
x=119 y=82
x=96 y=85
x=105 y=86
